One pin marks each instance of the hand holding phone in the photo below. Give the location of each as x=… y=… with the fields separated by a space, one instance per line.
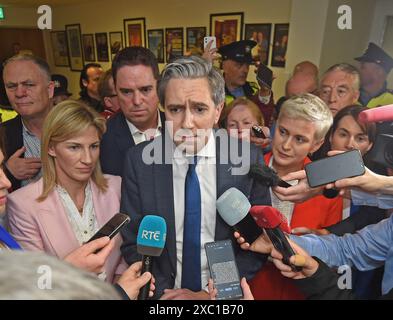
x=206 y=41
x=223 y=269
x=112 y=227
x=258 y=132
x=344 y=165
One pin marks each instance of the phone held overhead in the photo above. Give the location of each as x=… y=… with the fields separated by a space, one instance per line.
x=150 y=243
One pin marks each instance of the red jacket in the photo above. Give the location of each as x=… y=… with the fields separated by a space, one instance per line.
x=315 y=213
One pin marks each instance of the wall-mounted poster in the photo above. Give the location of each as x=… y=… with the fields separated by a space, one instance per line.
x=59 y=48
x=173 y=43
x=156 y=43
x=194 y=36
x=260 y=33
x=280 y=44
x=115 y=42
x=74 y=41
x=88 y=47
x=102 y=46
x=226 y=27
x=134 y=32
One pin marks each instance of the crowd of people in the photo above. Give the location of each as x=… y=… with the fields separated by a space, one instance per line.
x=68 y=166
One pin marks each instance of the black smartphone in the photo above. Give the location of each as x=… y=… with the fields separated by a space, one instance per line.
x=112 y=227
x=344 y=165
x=223 y=269
x=281 y=244
x=258 y=132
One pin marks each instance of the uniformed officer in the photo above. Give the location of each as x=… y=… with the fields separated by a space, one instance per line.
x=375 y=65
x=236 y=60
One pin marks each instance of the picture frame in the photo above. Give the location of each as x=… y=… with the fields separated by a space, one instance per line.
x=102 y=46
x=74 y=42
x=280 y=44
x=226 y=27
x=89 y=50
x=174 y=43
x=115 y=42
x=60 y=48
x=155 y=39
x=194 y=38
x=135 y=32
x=261 y=34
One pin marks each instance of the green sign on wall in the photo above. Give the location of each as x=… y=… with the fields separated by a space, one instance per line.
x=1 y=13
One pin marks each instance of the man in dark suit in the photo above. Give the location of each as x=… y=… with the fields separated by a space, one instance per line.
x=163 y=177
x=29 y=88
x=135 y=74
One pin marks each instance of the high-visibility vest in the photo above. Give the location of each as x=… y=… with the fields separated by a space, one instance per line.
x=6 y=114
x=382 y=100
x=249 y=88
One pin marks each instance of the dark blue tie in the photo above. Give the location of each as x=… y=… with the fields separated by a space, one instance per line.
x=191 y=267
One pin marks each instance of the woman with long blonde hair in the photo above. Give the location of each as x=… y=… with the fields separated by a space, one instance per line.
x=73 y=199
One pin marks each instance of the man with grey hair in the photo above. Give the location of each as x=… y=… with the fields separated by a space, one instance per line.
x=37 y=276
x=339 y=87
x=29 y=88
x=194 y=167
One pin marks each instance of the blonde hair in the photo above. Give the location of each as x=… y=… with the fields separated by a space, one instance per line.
x=254 y=109
x=68 y=119
x=309 y=108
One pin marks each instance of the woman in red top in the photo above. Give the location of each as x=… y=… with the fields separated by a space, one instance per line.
x=301 y=128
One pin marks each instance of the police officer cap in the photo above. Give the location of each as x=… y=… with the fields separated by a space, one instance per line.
x=377 y=55
x=61 y=85
x=239 y=51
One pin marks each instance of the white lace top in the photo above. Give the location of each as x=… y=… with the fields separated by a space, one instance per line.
x=84 y=225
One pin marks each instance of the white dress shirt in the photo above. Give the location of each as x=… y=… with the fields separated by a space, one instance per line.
x=206 y=171
x=147 y=135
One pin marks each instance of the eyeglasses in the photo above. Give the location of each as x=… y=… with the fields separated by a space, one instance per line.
x=112 y=95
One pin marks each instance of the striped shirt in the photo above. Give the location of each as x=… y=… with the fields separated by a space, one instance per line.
x=33 y=150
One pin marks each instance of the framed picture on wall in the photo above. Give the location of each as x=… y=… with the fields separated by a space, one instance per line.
x=155 y=39
x=59 y=48
x=260 y=33
x=280 y=43
x=173 y=43
x=88 y=47
x=134 y=32
x=194 y=36
x=115 y=42
x=226 y=27
x=102 y=46
x=74 y=42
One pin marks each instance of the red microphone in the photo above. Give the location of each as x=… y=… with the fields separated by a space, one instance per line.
x=275 y=224
x=268 y=218
x=377 y=114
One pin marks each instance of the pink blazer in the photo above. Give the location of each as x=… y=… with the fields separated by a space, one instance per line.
x=44 y=226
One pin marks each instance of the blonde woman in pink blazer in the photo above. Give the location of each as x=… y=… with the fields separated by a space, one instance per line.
x=58 y=213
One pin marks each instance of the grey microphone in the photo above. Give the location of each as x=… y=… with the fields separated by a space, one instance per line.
x=233 y=207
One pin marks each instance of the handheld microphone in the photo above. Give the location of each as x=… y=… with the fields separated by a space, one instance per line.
x=150 y=243
x=233 y=207
x=275 y=224
x=377 y=114
x=267 y=176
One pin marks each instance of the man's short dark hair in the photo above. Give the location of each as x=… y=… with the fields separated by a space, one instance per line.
x=133 y=56
x=84 y=76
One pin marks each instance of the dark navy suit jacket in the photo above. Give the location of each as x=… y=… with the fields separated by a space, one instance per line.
x=115 y=144
x=148 y=189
